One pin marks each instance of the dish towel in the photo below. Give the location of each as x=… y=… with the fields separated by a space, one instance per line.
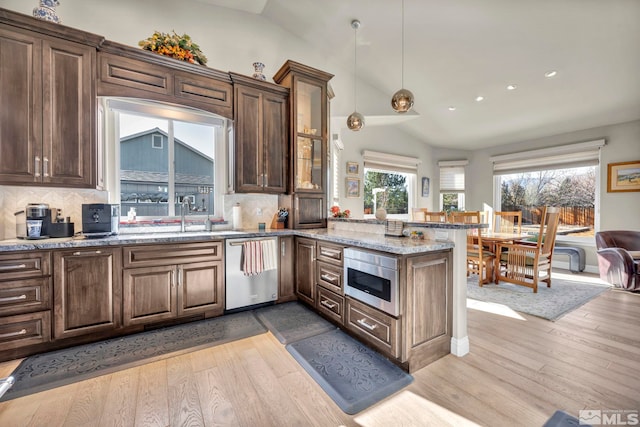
x=251 y=258
x=269 y=255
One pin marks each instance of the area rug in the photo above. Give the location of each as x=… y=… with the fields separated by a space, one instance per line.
x=292 y=321
x=551 y=303
x=48 y=370
x=353 y=375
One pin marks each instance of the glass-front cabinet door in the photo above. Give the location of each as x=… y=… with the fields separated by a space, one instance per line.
x=309 y=138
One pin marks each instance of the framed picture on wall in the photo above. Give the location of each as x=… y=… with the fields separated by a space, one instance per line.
x=352 y=187
x=353 y=168
x=425 y=186
x=623 y=176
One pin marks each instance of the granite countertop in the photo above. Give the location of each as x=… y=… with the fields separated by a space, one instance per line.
x=395 y=245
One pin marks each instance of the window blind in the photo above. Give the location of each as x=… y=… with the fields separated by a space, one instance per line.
x=390 y=162
x=559 y=157
x=452 y=176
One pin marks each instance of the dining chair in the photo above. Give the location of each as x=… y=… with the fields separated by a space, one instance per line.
x=529 y=263
x=418 y=214
x=480 y=260
x=435 y=216
x=507 y=222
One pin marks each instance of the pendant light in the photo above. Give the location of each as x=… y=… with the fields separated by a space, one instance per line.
x=402 y=100
x=355 y=121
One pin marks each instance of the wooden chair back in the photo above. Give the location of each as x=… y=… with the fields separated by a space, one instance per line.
x=471 y=217
x=548 y=230
x=507 y=222
x=418 y=214
x=435 y=216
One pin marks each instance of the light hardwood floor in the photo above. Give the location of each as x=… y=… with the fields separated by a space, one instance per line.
x=520 y=371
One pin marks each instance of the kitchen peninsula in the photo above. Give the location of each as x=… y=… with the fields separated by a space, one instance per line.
x=410 y=338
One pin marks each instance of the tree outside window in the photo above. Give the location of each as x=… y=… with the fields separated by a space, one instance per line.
x=386 y=189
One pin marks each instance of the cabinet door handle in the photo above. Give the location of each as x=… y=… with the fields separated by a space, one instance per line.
x=36 y=166
x=363 y=322
x=283 y=249
x=14 y=334
x=45 y=167
x=329 y=278
x=179 y=276
x=265 y=180
x=12 y=267
x=14 y=298
x=87 y=253
x=327 y=304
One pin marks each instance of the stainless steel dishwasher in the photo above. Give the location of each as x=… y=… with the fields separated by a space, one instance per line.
x=243 y=291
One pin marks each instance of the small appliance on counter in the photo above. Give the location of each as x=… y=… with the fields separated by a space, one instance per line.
x=61 y=227
x=33 y=213
x=100 y=219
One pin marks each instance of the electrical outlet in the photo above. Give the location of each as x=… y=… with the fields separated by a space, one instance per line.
x=259 y=211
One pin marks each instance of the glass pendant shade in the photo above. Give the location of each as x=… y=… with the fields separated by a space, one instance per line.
x=402 y=101
x=355 y=121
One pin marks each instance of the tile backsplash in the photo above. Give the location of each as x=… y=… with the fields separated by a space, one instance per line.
x=70 y=200
x=255 y=207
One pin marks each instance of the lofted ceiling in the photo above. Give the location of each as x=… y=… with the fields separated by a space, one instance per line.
x=458 y=50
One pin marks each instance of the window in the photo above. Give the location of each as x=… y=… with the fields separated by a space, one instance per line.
x=452 y=185
x=166 y=155
x=564 y=176
x=157 y=142
x=390 y=183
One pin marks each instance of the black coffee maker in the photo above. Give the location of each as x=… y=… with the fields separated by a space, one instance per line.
x=33 y=211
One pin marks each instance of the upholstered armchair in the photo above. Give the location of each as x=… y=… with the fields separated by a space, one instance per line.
x=616 y=252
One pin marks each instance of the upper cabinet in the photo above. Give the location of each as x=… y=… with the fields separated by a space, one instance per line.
x=47 y=85
x=309 y=111
x=132 y=72
x=261 y=135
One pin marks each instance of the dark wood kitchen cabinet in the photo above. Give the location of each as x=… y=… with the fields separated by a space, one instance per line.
x=308 y=135
x=163 y=282
x=306 y=270
x=287 y=272
x=261 y=136
x=87 y=291
x=48 y=135
x=25 y=299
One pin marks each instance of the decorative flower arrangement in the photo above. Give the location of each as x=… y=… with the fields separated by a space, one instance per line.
x=175 y=46
x=335 y=211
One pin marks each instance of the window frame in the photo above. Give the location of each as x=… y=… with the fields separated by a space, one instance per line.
x=111 y=109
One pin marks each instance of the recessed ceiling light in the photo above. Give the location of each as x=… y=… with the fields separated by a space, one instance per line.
x=479 y=98
x=452 y=108
x=512 y=87
x=551 y=73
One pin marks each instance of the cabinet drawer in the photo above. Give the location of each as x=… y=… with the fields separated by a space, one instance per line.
x=330 y=253
x=330 y=304
x=134 y=74
x=25 y=265
x=25 y=329
x=154 y=255
x=25 y=295
x=329 y=276
x=377 y=328
x=203 y=89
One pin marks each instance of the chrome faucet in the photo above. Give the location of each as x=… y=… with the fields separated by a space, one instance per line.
x=185 y=206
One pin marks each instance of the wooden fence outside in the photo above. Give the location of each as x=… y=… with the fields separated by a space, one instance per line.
x=569 y=215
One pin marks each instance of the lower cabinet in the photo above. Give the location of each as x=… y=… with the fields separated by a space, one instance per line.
x=287 y=273
x=330 y=304
x=87 y=291
x=24 y=330
x=162 y=292
x=374 y=327
x=306 y=270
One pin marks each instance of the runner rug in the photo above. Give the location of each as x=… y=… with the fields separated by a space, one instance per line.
x=57 y=368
